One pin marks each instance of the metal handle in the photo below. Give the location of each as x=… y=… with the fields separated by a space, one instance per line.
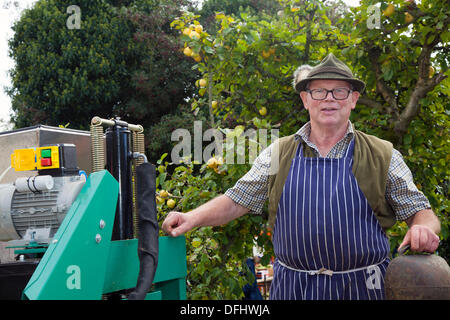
x=97 y=121
x=401 y=251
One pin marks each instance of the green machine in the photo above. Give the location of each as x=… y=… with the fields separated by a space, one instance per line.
x=107 y=244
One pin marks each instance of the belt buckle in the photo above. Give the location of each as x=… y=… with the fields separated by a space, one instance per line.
x=325 y=271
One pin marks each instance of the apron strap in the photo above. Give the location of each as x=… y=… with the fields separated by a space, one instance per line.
x=350 y=149
x=327 y=271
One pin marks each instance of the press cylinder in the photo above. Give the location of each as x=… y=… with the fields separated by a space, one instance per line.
x=118 y=163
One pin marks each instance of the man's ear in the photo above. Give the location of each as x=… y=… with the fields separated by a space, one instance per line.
x=304 y=96
x=355 y=97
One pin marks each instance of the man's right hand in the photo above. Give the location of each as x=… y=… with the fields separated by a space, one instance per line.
x=215 y=212
x=177 y=223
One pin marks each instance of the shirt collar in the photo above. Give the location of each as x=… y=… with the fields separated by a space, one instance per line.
x=303 y=132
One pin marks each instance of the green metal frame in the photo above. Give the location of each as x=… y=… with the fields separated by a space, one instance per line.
x=170 y=276
x=83 y=263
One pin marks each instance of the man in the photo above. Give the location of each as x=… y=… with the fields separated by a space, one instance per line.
x=333 y=192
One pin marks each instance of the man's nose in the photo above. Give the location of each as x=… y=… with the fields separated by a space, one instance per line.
x=329 y=96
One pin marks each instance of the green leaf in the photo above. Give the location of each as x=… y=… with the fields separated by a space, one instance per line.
x=162 y=158
x=407 y=139
x=208 y=50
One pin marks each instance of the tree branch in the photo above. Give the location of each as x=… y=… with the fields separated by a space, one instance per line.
x=381 y=86
x=423 y=86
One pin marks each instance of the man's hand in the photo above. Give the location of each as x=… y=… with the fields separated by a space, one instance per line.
x=215 y=212
x=177 y=223
x=421 y=238
x=422 y=234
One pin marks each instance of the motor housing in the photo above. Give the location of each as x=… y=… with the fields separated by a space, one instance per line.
x=22 y=213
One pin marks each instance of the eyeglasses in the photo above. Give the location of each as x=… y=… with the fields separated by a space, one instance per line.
x=338 y=93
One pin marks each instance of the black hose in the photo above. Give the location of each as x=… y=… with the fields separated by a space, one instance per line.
x=148 y=230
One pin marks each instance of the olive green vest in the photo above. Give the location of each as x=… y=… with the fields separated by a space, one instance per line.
x=371 y=160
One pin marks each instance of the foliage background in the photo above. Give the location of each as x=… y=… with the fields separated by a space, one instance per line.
x=128 y=61
x=123 y=61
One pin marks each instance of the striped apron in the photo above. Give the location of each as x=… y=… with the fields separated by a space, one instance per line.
x=327 y=241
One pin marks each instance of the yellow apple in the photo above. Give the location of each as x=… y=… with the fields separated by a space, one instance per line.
x=171 y=203
x=408 y=17
x=263 y=111
x=197 y=57
x=431 y=72
x=187 y=51
x=194 y=34
x=214 y=104
x=202 y=83
x=212 y=163
x=160 y=200
x=198 y=28
x=389 y=11
x=163 y=194
x=265 y=54
x=187 y=31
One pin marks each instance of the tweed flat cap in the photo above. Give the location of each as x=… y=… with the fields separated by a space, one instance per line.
x=330 y=68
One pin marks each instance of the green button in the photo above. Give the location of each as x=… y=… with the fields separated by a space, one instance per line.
x=46 y=153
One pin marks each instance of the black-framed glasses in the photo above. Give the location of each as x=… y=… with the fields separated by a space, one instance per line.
x=338 y=93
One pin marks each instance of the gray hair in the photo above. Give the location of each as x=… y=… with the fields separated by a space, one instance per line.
x=301 y=73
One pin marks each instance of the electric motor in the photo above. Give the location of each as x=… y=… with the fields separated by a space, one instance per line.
x=32 y=208
x=22 y=213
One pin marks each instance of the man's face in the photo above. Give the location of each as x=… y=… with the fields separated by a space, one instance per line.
x=329 y=112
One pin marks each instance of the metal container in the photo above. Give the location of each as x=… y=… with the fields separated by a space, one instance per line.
x=418 y=277
x=38 y=136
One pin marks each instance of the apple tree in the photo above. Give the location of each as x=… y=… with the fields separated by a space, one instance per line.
x=403 y=58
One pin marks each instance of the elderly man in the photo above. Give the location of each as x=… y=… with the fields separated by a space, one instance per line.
x=333 y=192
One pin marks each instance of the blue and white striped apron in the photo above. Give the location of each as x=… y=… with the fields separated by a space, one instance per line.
x=327 y=241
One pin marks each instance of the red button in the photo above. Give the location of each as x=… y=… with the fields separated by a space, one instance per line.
x=47 y=162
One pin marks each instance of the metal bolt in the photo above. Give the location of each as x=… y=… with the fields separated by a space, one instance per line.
x=55 y=240
x=102 y=224
x=98 y=238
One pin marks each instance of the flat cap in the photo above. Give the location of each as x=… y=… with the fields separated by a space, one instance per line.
x=330 y=68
